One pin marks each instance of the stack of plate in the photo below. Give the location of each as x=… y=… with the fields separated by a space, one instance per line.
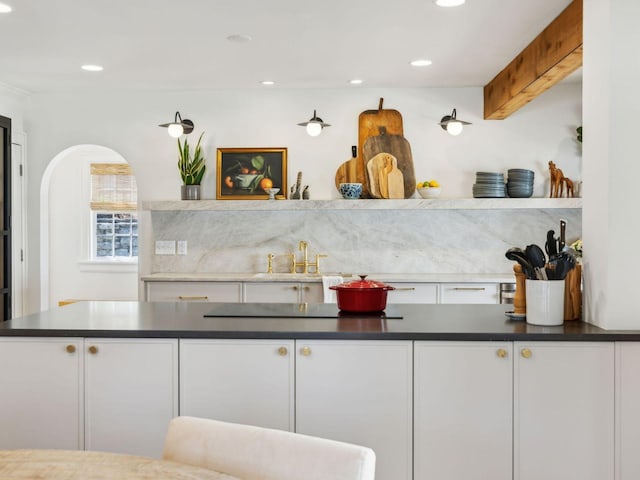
x=519 y=183
x=489 y=185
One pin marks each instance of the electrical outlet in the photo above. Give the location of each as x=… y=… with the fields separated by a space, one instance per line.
x=182 y=247
x=165 y=247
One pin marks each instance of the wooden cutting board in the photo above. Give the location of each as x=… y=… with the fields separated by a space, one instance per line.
x=395 y=181
x=347 y=172
x=378 y=169
x=398 y=147
x=369 y=123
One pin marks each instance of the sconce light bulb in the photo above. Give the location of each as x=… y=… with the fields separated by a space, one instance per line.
x=454 y=128
x=175 y=130
x=314 y=129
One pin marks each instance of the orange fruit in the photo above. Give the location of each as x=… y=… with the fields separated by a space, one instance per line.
x=266 y=183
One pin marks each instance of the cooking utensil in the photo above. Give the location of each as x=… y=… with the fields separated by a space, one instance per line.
x=563 y=228
x=551 y=245
x=362 y=295
x=518 y=255
x=399 y=147
x=347 y=172
x=369 y=123
x=537 y=260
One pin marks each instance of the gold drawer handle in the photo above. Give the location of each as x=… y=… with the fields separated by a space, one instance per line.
x=196 y=297
x=501 y=352
x=526 y=353
x=71 y=348
x=295 y=287
x=93 y=349
x=470 y=289
x=282 y=351
x=305 y=351
x=405 y=288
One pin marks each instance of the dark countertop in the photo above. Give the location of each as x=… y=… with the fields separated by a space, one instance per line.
x=186 y=320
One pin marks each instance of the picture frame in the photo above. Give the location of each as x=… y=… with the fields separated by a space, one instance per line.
x=241 y=173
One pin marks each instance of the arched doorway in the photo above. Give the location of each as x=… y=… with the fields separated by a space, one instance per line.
x=69 y=266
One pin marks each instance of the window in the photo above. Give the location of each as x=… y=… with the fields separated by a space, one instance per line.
x=114 y=198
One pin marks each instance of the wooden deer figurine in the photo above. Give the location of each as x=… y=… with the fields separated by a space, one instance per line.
x=558 y=182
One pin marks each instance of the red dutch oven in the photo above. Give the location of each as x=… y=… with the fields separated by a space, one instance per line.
x=362 y=295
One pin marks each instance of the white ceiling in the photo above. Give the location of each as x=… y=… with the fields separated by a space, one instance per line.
x=182 y=44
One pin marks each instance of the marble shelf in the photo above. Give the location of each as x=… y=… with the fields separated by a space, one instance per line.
x=340 y=204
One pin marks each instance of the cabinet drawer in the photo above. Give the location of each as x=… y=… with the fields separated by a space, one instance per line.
x=194 y=292
x=469 y=293
x=413 y=293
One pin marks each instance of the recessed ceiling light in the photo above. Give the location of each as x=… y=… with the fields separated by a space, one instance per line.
x=421 y=63
x=239 y=38
x=92 y=68
x=449 y=3
x=268 y=82
x=4 y=8
x=355 y=81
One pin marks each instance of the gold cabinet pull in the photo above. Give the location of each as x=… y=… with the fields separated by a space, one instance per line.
x=469 y=289
x=282 y=351
x=306 y=289
x=404 y=288
x=305 y=351
x=193 y=297
x=526 y=353
x=93 y=349
x=71 y=349
x=295 y=287
x=501 y=352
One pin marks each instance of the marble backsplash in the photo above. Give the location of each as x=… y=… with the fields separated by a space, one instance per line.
x=356 y=241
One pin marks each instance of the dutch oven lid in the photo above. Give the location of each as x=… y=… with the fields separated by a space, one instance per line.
x=362 y=284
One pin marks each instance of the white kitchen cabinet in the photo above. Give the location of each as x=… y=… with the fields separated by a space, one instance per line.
x=359 y=392
x=469 y=293
x=563 y=411
x=193 y=291
x=131 y=394
x=627 y=410
x=41 y=383
x=240 y=381
x=413 y=293
x=283 y=292
x=463 y=410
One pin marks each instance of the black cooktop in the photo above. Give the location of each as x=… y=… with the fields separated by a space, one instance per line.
x=288 y=310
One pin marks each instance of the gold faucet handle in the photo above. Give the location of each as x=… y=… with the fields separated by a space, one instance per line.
x=317 y=264
x=292 y=256
x=270 y=257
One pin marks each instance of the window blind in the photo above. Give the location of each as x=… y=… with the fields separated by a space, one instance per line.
x=113 y=187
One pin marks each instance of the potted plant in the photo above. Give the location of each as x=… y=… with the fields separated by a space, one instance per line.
x=191 y=168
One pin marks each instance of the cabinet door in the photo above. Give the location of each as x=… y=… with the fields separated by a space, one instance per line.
x=563 y=411
x=469 y=293
x=413 y=293
x=628 y=409
x=41 y=393
x=463 y=410
x=359 y=392
x=194 y=291
x=272 y=292
x=311 y=293
x=240 y=381
x=131 y=393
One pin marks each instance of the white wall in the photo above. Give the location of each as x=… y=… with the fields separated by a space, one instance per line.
x=612 y=169
x=71 y=273
x=127 y=123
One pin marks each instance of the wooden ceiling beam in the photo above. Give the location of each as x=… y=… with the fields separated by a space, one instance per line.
x=550 y=57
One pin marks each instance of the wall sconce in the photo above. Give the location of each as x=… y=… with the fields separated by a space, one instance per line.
x=451 y=124
x=314 y=125
x=178 y=126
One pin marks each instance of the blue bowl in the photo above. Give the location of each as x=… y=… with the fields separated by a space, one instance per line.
x=351 y=191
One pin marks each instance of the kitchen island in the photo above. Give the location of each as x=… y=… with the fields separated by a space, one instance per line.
x=417 y=389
